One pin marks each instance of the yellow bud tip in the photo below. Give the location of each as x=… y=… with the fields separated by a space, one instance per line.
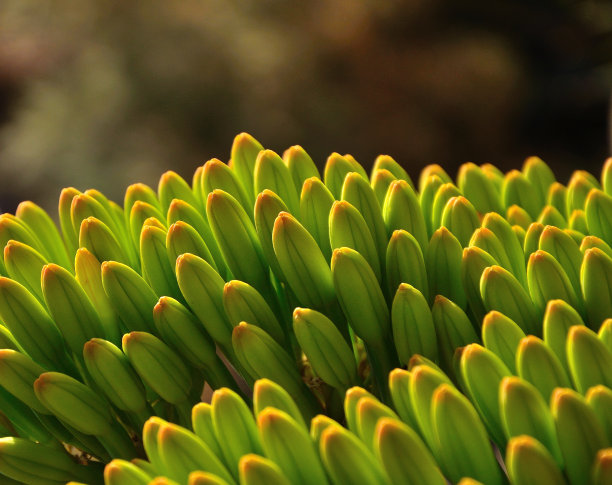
x=509 y=382
x=42 y=381
x=560 y=395
x=441 y=299
x=161 y=305
x=298 y=313
x=397 y=374
x=90 y=347
x=443 y=394
x=520 y=444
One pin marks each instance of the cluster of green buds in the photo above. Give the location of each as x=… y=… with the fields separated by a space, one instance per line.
x=265 y=325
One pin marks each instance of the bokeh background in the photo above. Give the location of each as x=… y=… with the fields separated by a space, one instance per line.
x=101 y=94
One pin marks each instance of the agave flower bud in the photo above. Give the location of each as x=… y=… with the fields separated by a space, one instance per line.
x=444 y=193
x=269 y=394
x=369 y=411
x=443 y=263
x=579 y=433
x=351 y=398
x=494 y=174
x=70 y=307
x=243 y=303
x=347 y=228
x=460 y=217
x=501 y=335
x=456 y=423
x=202 y=288
x=482 y=372
x=302 y=263
x=517 y=216
x=605 y=333
x=172 y=186
x=181 y=211
x=517 y=189
x=433 y=169
x=539 y=174
x=578 y=189
x=244 y=153
x=182 y=452
x=315 y=204
x=537 y=364
x=552 y=217
x=46 y=231
x=298 y=462
x=150 y=432
x=203 y=427
x=69 y=233
x=596 y=282
x=271 y=173
x=602 y=468
x=524 y=412
x=13 y=228
x=473 y=263
x=261 y=356
x=401 y=210
x=17 y=375
x=84 y=206
x=158 y=366
x=405 y=263
x=32 y=326
x=237 y=240
x=426 y=199
x=453 y=328
x=111 y=371
x=140 y=212
x=96 y=237
x=519 y=232
x=300 y=165
x=399 y=385
x=547 y=281
x=122 y=472
x=138 y=192
x=486 y=240
x=24 y=264
x=268 y=206
x=501 y=291
x=336 y=169
x=528 y=460
x=318 y=424
x=412 y=325
x=183 y=238
x=578 y=221
x=589 y=242
x=327 y=351
x=590 y=362
x=598 y=210
x=131 y=297
x=339 y=447
x=404 y=456
x=89 y=276
x=234 y=427
x=385 y=162
x=532 y=238
x=380 y=181
x=478 y=189
x=205 y=478
x=257 y=470
x=360 y=195
x=424 y=381
x=557 y=197
x=599 y=398
x=29 y=462
x=565 y=250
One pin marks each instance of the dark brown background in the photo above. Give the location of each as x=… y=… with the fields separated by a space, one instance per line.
x=103 y=94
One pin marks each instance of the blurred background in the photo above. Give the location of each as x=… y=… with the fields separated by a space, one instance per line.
x=102 y=94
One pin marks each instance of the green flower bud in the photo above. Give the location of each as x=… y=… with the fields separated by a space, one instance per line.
x=557 y=197
x=351 y=398
x=257 y=470
x=518 y=216
x=131 y=297
x=501 y=291
x=340 y=447
x=455 y=423
x=205 y=478
x=473 y=263
x=202 y=423
x=347 y=228
x=590 y=362
x=578 y=189
x=97 y=238
x=501 y=335
x=443 y=263
x=404 y=456
x=156 y=268
x=136 y=192
x=602 y=468
x=524 y=412
x=517 y=189
x=401 y=210
x=140 y=212
x=269 y=394
x=172 y=186
x=598 y=210
x=605 y=333
x=244 y=153
x=399 y=385
x=412 y=325
x=298 y=462
x=539 y=174
x=579 y=433
x=17 y=375
x=385 y=162
x=433 y=169
x=599 y=398
x=69 y=233
x=528 y=460
x=315 y=204
x=538 y=365
x=369 y=411
x=336 y=169
x=552 y=217
x=183 y=238
x=380 y=181
x=596 y=282
x=271 y=173
x=234 y=427
x=486 y=240
x=564 y=249
x=300 y=165
x=589 y=242
x=24 y=264
x=158 y=366
x=267 y=208
x=405 y=263
x=327 y=351
x=532 y=239
x=578 y=221
x=121 y=472
x=460 y=217
x=182 y=452
x=426 y=199
x=478 y=188
x=13 y=228
x=494 y=174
